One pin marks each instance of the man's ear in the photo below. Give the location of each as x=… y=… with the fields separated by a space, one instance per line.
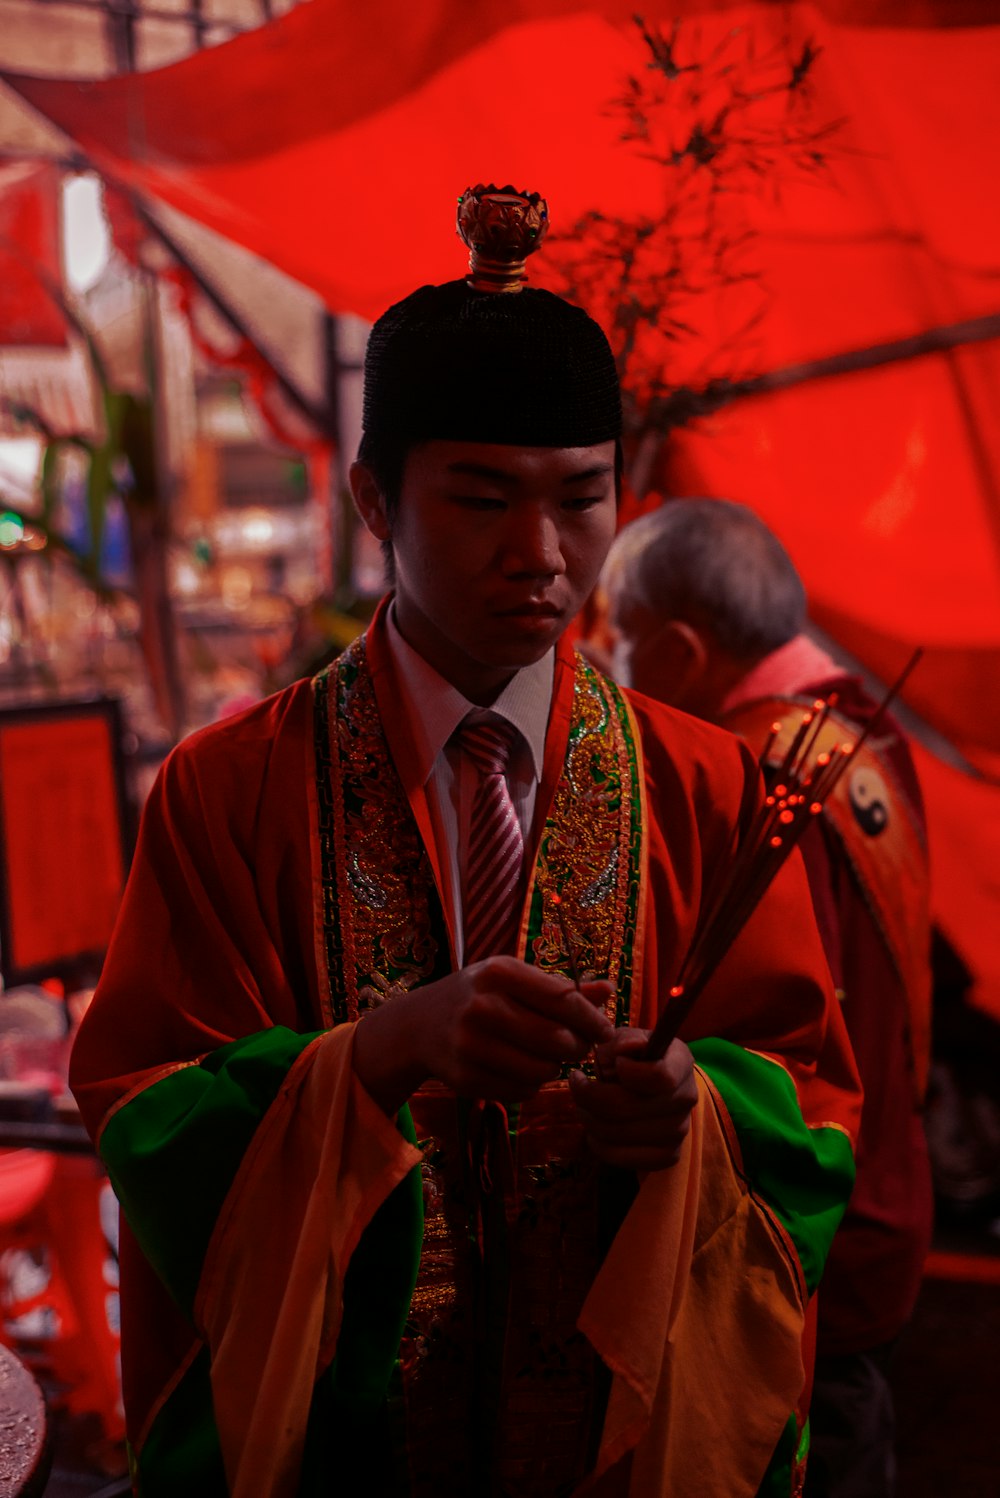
x=369 y=501
x=682 y=657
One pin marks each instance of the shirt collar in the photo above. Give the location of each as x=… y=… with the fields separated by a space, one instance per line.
x=789 y=669
x=435 y=708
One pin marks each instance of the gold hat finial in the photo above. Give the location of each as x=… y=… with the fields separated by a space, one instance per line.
x=501 y=227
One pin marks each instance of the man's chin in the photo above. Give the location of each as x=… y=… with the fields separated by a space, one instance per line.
x=514 y=657
x=525 y=639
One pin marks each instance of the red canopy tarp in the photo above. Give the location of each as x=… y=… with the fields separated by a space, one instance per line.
x=30 y=255
x=333 y=142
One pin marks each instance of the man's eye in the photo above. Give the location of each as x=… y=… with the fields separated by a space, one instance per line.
x=583 y=502
x=478 y=502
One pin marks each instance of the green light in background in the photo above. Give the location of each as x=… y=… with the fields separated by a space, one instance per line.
x=11 y=529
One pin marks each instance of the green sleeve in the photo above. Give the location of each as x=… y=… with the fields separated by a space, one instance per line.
x=173 y=1150
x=172 y=1153
x=803 y=1173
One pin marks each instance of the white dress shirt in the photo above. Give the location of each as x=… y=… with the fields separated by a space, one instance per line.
x=435 y=710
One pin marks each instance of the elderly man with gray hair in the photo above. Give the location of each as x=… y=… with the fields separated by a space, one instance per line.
x=708 y=614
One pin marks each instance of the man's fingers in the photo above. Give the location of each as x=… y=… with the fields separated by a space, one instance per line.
x=550 y=995
x=622 y=1059
x=635 y=1130
x=626 y=1041
x=653 y=1078
x=524 y=1032
x=611 y=1102
x=597 y=991
x=519 y=979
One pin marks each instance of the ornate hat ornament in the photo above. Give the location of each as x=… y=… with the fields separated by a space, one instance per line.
x=461 y=363
x=501 y=227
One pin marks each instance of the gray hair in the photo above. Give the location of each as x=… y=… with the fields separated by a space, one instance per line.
x=714 y=564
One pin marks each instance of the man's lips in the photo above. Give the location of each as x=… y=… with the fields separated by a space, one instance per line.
x=530 y=610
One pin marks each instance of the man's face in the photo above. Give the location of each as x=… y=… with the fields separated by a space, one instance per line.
x=496 y=548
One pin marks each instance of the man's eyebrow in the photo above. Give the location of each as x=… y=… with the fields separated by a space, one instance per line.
x=501 y=476
x=484 y=471
x=599 y=471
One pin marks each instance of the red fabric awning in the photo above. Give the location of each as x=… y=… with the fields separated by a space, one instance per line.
x=312 y=140
x=29 y=244
x=334 y=141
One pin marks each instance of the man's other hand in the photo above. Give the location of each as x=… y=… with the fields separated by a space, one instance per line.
x=637 y=1113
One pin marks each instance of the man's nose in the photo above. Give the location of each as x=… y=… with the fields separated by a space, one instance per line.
x=534 y=546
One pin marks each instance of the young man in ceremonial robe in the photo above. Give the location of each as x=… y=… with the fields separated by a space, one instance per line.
x=710 y=615
x=405 y=1211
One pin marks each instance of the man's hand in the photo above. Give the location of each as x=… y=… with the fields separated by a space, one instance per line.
x=637 y=1113
x=496 y=1029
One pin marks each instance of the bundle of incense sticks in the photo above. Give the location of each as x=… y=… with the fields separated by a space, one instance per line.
x=801 y=785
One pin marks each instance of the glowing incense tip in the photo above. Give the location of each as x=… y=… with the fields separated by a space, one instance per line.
x=808 y=783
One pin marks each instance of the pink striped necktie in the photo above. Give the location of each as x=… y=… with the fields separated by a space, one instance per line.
x=496 y=847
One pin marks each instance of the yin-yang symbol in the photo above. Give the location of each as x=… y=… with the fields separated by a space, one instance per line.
x=869 y=797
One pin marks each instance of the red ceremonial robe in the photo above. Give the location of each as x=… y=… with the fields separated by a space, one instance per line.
x=266 y=1198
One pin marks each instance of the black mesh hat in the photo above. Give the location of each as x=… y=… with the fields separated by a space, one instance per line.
x=489 y=359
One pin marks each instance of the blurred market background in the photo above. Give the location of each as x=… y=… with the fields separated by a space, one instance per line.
x=785 y=216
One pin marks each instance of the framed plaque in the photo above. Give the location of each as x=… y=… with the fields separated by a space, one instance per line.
x=64 y=844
